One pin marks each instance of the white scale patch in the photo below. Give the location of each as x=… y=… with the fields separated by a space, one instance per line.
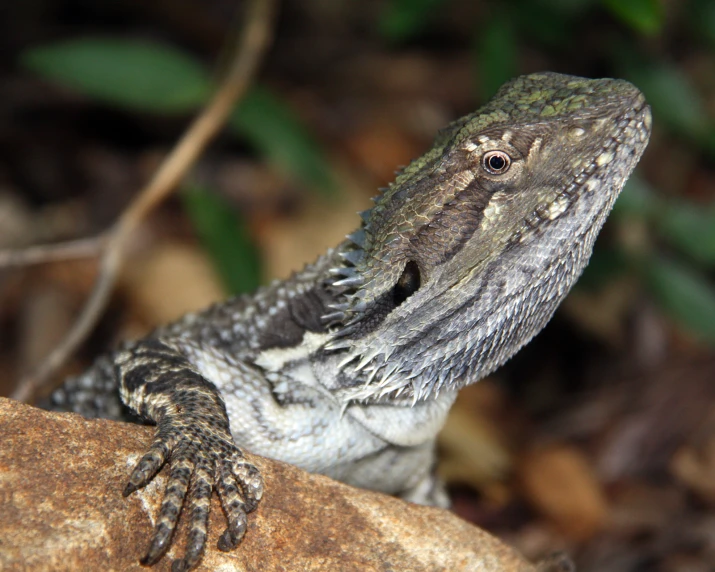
x=275 y=359
x=535 y=146
x=604 y=158
x=557 y=208
x=494 y=207
x=213 y=365
x=592 y=185
x=648 y=120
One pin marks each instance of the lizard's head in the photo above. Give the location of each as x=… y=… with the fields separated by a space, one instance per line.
x=467 y=254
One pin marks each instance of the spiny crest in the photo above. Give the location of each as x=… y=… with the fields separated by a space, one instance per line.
x=347 y=281
x=383 y=377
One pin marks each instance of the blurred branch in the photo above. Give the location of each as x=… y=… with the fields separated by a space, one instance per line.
x=255 y=38
x=80 y=248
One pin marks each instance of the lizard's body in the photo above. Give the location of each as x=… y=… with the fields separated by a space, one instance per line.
x=349 y=367
x=283 y=411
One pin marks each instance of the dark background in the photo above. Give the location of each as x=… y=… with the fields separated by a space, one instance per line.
x=599 y=438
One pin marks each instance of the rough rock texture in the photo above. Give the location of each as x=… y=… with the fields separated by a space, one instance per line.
x=61 y=478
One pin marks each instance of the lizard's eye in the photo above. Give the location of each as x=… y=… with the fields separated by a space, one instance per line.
x=408 y=283
x=496 y=162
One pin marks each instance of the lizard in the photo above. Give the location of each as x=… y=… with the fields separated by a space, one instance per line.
x=349 y=367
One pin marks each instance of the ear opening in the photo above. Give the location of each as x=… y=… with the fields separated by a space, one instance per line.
x=408 y=283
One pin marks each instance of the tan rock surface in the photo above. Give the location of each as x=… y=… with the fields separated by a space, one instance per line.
x=61 y=478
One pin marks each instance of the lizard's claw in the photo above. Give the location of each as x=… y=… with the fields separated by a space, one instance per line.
x=200 y=458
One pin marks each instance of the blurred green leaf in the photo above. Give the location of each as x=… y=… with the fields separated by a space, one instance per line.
x=225 y=236
x=702 y=18
x=496 y=54
x=637 y=200
x=644 y=16
x=691 y=228
x=670 y=94
x=606 y=265
x=272 y=128
x=546 y=22
x=404 y=19
x=161 y=79
x=571 y=7
x=686 y=296
x=134 y=74
x=688 y=227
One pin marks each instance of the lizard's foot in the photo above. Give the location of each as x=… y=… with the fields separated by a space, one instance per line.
x=558 y=562
x=201 y=458
x=430 y=491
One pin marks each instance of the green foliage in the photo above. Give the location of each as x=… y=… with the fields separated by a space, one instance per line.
x=691 y=229
x=274 y=131
x=683 y=294
x=566 y=7
x=136 y=75
x=644 y=16
x=155 y=78
x=496 y=54
x=605 y=265
x=547 y=22
x=636 y=200
x=402 y=20
x=223 y=233
x=673 y=99
x=702 y=19
x=686 y=227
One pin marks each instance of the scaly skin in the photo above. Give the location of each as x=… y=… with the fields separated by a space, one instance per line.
x=349 y=367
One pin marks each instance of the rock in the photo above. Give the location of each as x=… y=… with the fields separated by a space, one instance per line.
x=61 y=478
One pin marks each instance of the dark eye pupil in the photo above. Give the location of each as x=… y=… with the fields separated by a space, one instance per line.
x=497 y=162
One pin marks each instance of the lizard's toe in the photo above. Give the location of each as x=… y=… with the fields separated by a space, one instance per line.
x=235 y=508
x=251 y=482
x=148 y=466
x=199 y=505
x=182 y=468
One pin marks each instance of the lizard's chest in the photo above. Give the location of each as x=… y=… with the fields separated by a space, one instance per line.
x=403 y=423
x=283 y=410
